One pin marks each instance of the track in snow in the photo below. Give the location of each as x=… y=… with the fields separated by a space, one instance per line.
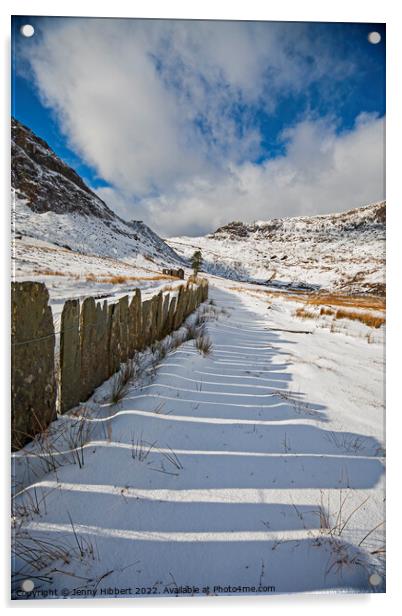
x=230 y=491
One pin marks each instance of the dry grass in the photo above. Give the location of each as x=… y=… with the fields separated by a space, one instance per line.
x=302 y=313
x=203 y=344
x=373 y=302
x=78 y=435
x=121 y=278
x=335 y=304
x=49 y=272
x=122 y=380
x=368 y=319
x=115 y=279
x=326 y=311
x=347 y=301
x=38 y=558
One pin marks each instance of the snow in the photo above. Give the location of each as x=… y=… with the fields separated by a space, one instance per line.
x=344 y=251
x=90 y=234
x=81 y=256
x=218 y=472
x=257 y=468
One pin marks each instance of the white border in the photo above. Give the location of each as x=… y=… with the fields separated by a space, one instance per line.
x=304 y=10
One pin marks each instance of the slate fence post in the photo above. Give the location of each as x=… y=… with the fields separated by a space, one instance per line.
x=95 y=339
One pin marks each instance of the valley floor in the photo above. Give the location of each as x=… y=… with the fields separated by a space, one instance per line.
x=257 y=468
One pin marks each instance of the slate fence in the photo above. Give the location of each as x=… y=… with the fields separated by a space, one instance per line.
x=95 y=339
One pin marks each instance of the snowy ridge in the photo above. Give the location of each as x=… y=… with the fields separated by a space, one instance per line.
x=52 y=203
x=343 y=251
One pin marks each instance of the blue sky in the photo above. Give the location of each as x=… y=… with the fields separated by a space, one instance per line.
x=190 y=124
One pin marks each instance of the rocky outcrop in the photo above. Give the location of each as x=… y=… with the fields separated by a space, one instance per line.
x=46 y=181
x=45 y=185
x=370 y=218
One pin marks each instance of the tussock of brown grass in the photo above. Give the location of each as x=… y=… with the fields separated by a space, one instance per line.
x=368 y=319
x=203 y=344
x=52 y=273
x=116 y=279
x=302 y=313
x=347 y=301
x=371 y=320
x=161 y=277
x=326 y=311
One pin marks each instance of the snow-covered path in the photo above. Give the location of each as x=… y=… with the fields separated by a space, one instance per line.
x=224 y=472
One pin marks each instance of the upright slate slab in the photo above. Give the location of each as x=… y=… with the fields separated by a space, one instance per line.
x=134 y=323
x=165 y=312
x=114 y=348
x=70 y=355
x=33 y=383
x=88 y=348
x=190 y=301
x=171 y=315
x=154 y=314
x=179 y=311
x=146 y=321
x=102 y=344
x=123 y=301
x=158 y=303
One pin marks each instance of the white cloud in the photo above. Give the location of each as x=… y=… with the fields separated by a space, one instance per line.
x=321 y=172
x=151 y=106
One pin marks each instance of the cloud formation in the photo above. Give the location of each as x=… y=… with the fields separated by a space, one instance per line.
x=320 y=172
x=165 y=112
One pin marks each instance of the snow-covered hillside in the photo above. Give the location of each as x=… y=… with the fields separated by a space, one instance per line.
x=52 y=203
x=65 y=236
x=344 y=251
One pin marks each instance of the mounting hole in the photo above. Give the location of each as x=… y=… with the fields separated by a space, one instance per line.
x=27 y=30
x=27 y=586
x=374 y=38
x=375 y=579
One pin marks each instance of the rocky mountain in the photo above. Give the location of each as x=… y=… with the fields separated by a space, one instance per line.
x=367 y=219
x=52 y=203
x=343 y=251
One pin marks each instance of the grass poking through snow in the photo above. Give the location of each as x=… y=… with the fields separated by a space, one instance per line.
x=122 y=380
x=203 y=344
x=371 y=320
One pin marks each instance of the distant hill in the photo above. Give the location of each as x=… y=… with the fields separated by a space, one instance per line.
x=343 y=251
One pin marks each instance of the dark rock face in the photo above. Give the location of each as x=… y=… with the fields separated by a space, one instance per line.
x=48 y=184
x=380 y=214
x=46 y=181
x=235 y=228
